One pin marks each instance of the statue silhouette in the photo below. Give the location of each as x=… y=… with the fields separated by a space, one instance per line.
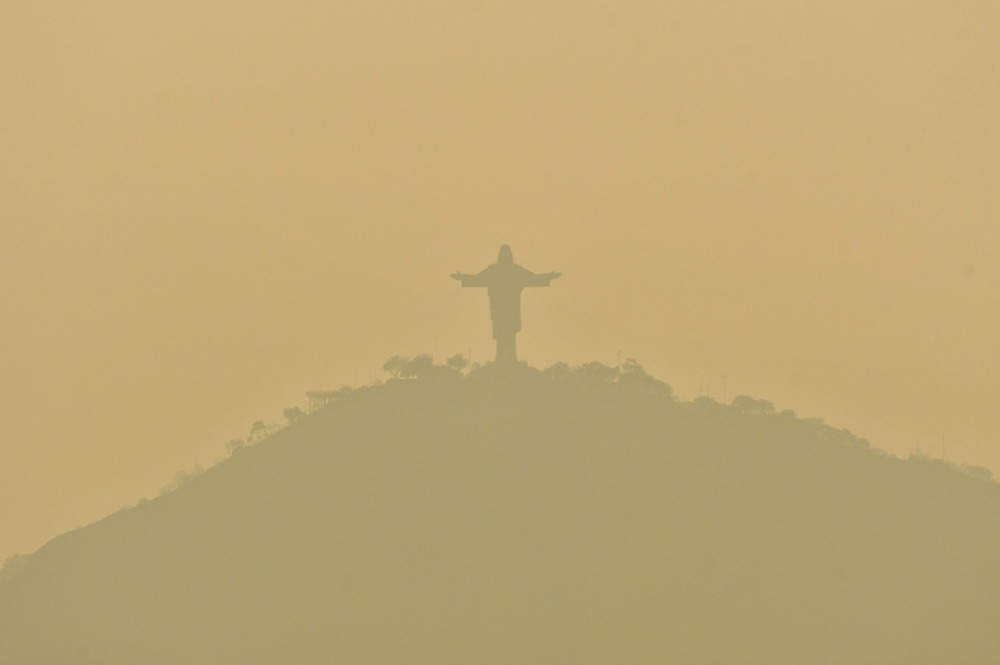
x=503 y=281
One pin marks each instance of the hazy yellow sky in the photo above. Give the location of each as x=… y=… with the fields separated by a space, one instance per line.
x=208 y=209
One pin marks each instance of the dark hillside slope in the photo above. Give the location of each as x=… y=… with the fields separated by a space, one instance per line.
x=536 y=520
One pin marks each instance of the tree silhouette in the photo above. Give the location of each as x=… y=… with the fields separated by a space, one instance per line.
x=234 y=446
x=598 y=371
x=559 y=370
x=395 y=365
x=753 y=406
x=457 y=362
x=258 y=432
x=632 y=374
x=421 y=367
x=12 y=566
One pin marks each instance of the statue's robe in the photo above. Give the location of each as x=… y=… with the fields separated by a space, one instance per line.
x=504 y=282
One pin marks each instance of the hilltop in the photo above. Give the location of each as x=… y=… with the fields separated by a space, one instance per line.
x=530 y=517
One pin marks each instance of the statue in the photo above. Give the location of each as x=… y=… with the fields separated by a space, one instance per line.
x=503 y=281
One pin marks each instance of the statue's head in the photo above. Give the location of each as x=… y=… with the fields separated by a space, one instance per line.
x=505 y=256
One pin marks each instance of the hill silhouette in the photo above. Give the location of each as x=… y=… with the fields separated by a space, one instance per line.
x=530 y=517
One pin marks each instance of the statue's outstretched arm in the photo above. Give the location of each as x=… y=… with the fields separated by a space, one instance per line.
x=469 y=280
x=541 y=279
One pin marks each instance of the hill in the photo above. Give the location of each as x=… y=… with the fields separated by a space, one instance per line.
x=530 y=517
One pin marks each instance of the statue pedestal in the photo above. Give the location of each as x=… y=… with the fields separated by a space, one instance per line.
x=507 y=348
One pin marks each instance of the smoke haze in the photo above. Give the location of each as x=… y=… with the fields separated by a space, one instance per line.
x=208 y=209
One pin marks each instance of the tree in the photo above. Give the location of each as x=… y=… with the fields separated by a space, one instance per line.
x=293 y=413
x=12 y=566
x=752 y=406
x=182 y=478
x=597 y=371
x=421 y=367
x=234 y=446
x=559 y=370
x=632 y=374
x=980 y=472
x=457 y=362
x=395 y=365
x=258 y=432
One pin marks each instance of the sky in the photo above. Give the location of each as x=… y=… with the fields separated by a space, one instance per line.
x=209 y=208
